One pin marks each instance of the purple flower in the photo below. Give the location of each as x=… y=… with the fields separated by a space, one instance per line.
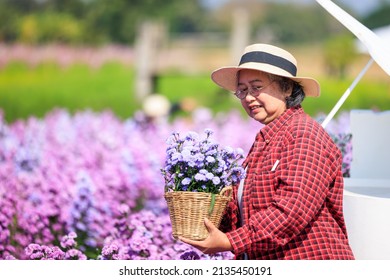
x=209 y=132
x=210 y=159
x=176 y=157
x=186 y=181
x=190 y=255
x=43 y=252
x=186 y=155
x=240 y=152
x=68 y=241
x=192 y=136
x=202 y=161
x=216 y=181
x=74 y=254
x=31 y=248
x=200 y=177
x=56 y=254
x=209 y=176
x=110 y=252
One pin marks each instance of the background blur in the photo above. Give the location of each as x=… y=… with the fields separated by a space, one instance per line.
x=111 y=55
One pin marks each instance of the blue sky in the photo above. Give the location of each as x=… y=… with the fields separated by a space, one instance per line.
x=359 y=6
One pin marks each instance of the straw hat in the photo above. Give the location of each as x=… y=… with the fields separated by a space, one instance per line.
x=265 y=58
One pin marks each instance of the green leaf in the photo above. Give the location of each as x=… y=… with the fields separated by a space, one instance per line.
x=212 y=203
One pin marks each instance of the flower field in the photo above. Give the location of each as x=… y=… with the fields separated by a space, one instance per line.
x=89 y=185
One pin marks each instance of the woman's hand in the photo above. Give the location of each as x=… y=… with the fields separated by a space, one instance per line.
x=216 y=242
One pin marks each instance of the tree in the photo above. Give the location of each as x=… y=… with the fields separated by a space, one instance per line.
x=378 y=18
x=295 y=24
x=100 y=21
x=339 y=52
x=280 y=21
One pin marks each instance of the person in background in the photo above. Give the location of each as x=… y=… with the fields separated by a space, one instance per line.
x=290 y=204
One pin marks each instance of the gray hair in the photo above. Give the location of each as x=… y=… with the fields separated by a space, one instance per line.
x=285 y=84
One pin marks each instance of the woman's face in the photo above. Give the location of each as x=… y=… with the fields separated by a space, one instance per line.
x=269 y=104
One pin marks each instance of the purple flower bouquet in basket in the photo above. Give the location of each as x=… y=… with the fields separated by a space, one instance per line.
x=199 y=175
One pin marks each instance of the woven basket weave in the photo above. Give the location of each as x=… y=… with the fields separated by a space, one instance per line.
x=187 y=211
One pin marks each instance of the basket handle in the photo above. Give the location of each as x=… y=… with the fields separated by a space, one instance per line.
x=228 y=190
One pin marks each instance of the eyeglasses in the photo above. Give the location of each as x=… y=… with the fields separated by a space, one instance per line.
x=253 y=91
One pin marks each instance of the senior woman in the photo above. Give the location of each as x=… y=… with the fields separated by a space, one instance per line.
x=290 y=205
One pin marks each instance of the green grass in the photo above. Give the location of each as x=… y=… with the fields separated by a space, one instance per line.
x=35 y=91
x=368 y=94
x=26 y=91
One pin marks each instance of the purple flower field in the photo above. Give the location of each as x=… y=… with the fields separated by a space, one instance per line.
x=89 y=185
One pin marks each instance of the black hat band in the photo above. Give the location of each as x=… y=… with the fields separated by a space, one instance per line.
x=263 y=57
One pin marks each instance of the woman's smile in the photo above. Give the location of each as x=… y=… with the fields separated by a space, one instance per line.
x=254 y=109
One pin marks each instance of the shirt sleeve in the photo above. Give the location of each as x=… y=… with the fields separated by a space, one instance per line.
x=307 y=165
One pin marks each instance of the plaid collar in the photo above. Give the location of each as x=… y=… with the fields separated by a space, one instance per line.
x=268 y=131
x=271 y=129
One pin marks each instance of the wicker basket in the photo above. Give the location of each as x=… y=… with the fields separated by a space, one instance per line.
x=187 y=211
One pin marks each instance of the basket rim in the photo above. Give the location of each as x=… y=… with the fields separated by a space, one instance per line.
x=226 y=191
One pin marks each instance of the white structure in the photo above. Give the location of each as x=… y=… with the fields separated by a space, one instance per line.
x=367 y=191
x=383 y=32
x=149 y=40
x=376 y=46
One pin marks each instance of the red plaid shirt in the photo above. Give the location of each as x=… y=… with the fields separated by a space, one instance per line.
x=296 y=210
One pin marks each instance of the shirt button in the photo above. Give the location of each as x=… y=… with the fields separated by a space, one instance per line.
x=267 y=141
